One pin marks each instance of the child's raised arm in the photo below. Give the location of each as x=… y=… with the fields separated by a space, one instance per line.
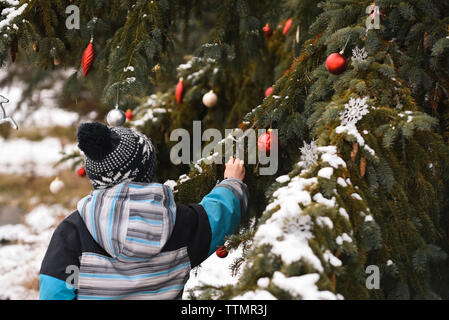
x=226 y=204
x=204 y=226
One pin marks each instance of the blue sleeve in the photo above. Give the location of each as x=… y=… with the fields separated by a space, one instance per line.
x=51 y=288
x=225 y=206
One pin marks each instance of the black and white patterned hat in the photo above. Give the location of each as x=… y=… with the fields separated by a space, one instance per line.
x=116 y=154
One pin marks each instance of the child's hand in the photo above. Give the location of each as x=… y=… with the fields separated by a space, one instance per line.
x=235 y=169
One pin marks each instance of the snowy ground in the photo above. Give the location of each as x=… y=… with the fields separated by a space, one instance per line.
x=22 y=156
x=22 y=246
x=20 y=260
x=48 y=113
x=214 y=271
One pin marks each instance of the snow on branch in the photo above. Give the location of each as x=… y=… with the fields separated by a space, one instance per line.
x=12 y=12
x=289 y=229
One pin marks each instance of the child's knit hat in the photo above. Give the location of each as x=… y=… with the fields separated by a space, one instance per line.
x=116 y=154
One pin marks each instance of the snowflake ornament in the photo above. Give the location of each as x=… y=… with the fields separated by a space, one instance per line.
x=309 y=154
x=359 y=55
x=354 y=111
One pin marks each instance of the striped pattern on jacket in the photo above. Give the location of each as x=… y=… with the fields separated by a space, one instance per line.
x=132 y=241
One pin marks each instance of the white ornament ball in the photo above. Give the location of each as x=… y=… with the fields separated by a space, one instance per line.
x=116 y=118
x=56 y=186
x=210 y=99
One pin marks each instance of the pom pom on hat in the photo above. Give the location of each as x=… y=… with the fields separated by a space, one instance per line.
x=96 y=140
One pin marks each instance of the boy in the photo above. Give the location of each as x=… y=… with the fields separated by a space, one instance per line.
x=129 y=239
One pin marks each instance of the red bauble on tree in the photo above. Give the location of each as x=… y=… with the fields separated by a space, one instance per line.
x=287 y=26
x=81 y=172
x=269 y=91
x=222 y=252
x=129 y=114
x=336 y=63
x=266 y=141
x=88 y=57
x=179 y=91
x=267 y=31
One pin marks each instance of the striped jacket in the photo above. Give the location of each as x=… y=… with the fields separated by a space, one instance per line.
x=132 y=241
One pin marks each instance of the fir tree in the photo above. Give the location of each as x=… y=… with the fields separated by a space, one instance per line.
x=362 y=178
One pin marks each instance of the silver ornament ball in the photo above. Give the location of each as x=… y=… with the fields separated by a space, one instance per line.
x=116 y=118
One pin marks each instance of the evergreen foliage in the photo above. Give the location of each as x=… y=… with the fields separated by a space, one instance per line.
x=385 y=201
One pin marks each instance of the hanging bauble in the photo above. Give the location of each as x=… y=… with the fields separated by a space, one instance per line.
x=269 y=91
x=336 y=63
x=287 y=26
x=267 y=31
x=266 y=141
x=179 y=91
x=81 y=172
x=56 y=186
x=116 y=117
x=129 y=114
x=222 y=252
x=88 y=57
x=210 y=99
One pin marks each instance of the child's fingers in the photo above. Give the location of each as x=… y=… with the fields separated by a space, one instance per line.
x=235 y=168
x=239 y=163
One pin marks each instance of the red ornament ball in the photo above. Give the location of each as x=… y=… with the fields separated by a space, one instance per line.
x=88 y=58
x=179 y=91
x=267 y=31
x=336 y=63
x=268 y=92
x=129 y=114
x=81 y=172
x=265 y=142
x=222 y=252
